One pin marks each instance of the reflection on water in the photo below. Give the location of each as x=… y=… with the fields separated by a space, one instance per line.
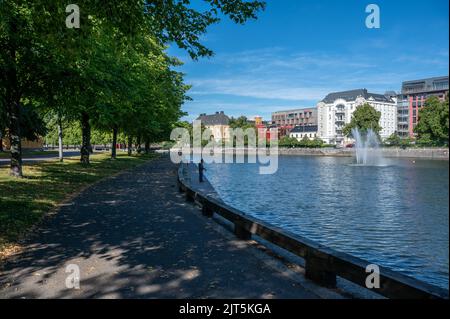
x=395 y=215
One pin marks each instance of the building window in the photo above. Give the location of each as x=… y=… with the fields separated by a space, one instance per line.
x=442 y=85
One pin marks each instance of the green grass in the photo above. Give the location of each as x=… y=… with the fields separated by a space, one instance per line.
x=23 y=202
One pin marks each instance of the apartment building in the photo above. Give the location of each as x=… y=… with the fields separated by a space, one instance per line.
x=336 y=110
x=412 y=99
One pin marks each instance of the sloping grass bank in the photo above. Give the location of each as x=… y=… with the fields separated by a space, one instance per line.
x=24 y=202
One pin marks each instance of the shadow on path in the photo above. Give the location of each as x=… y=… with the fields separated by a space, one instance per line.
x=134 y=236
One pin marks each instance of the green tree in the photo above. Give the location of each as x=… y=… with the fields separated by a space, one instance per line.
x=393 y=140
x=179 y=22
x=241 y=122
x=88 y=73
x=433 y=125
x=3 y=122
x=287 y=141
x=364 y=118
x=21 y=57
x=72 y=133
x=32 y=126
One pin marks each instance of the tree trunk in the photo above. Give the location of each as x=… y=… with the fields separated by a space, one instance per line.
x=1 y=142
x=13 y=110
x=60 y=139
x=138 y=145
x=15 y=140
x=114 y=143
x=86 y=138
x=130 y=145
x=147 y=146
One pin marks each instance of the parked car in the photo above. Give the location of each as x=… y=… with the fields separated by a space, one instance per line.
x=350 y=145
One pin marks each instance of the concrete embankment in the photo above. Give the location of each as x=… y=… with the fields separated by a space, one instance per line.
x=423 y=153
x=418 y=153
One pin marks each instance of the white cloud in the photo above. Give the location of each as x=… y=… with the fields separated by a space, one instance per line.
x=272 y=76
x=272 y=73
x=256 y=88
x=249 y=108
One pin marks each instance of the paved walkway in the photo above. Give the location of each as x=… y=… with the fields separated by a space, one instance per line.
x=134 y=236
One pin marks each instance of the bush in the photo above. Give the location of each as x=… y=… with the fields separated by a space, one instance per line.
x=292 y=142
x=396 y=141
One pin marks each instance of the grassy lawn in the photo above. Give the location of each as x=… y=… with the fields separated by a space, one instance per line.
x=23 y=202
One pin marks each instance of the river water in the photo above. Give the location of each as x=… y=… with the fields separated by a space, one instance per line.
x=395 y=216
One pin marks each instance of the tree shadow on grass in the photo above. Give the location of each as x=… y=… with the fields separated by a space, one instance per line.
x=24 y=201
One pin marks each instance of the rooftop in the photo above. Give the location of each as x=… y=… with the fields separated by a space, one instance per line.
x=308 y=109
x=215 y=119
x=426 y=85
x=352 y=95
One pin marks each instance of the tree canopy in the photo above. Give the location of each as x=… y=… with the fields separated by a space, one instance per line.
x=177 y=21
x=111 y=74
x=241 y=122
x=433 y=124
x=364 y=118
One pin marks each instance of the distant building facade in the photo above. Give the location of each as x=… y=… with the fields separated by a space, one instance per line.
x=296 y=117
x=412 y=99
x=306 y=131
x=26 y=144
x=336 y=110
x=259 y=121
x=218 y=123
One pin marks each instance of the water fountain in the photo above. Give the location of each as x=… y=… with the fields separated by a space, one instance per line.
x=367 y=148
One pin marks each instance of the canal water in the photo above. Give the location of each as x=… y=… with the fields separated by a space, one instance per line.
x=395 y=215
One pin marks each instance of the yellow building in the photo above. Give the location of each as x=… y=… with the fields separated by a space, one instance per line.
x=218 y=123
x=26 y=144
x=258 y=121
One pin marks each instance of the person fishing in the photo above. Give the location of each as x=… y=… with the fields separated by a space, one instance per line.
x=201 y=169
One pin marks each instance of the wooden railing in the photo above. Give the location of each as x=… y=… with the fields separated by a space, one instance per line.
x=322 y=264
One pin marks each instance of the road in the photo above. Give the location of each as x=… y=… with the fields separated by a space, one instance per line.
x=40 y=158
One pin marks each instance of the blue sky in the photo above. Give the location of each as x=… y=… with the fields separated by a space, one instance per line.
x=300 y=50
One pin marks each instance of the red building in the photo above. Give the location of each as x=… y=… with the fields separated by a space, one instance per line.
x=292 y=118
x=412 y=99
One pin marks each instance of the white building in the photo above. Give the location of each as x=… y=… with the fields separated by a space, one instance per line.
x=301 y=132
x=336 y=110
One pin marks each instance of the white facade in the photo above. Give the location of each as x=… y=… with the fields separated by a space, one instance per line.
x=335 y=112
x=219 y=132
x=301 y=136
x=301 y=132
